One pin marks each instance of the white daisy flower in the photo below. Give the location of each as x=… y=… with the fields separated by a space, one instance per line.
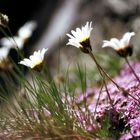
x=81 y=37
x=35 y=61
x=23 y=34
x=12 y=42
x=122 y=46
x=27 y=29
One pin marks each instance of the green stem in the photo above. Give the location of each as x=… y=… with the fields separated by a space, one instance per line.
x=100 y=71
x=111 y=101
x=125 y=92
x=98 y=99
x=99 y=67
x=127 y=61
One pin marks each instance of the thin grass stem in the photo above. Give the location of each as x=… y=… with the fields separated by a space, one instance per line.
x=98 y=99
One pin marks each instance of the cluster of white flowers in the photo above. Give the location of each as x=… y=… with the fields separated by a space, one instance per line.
x=19 y=40
x=79 y=38
x=23 y=34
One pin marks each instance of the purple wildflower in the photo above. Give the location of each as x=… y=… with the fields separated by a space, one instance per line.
x=135 y=126
x=126 y=136
x=126 y=116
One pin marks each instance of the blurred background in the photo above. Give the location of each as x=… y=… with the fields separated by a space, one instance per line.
x=111 y=18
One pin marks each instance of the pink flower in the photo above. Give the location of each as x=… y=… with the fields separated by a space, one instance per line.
x=126 y=136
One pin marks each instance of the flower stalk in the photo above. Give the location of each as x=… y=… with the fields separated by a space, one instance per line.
x=102 y=71
x=127 y=61
x=81 y=39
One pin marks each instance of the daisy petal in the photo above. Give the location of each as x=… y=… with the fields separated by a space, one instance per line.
x=80 y=37
x=34 y=60
x=126 y=38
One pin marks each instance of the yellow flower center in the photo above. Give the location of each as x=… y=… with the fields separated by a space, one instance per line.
x=84 y=39
x=36 y=64
x=85 y=45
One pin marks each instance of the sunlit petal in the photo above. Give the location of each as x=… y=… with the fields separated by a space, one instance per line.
x=34 y=60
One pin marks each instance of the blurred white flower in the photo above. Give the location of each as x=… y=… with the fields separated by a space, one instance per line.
x=4 y=61
x=35 y=61
x=26 y=30
x=23 y=34
x=19 y=40
x=12 y=42
x=4 y=51
x=81 y=37
x=122 y=46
